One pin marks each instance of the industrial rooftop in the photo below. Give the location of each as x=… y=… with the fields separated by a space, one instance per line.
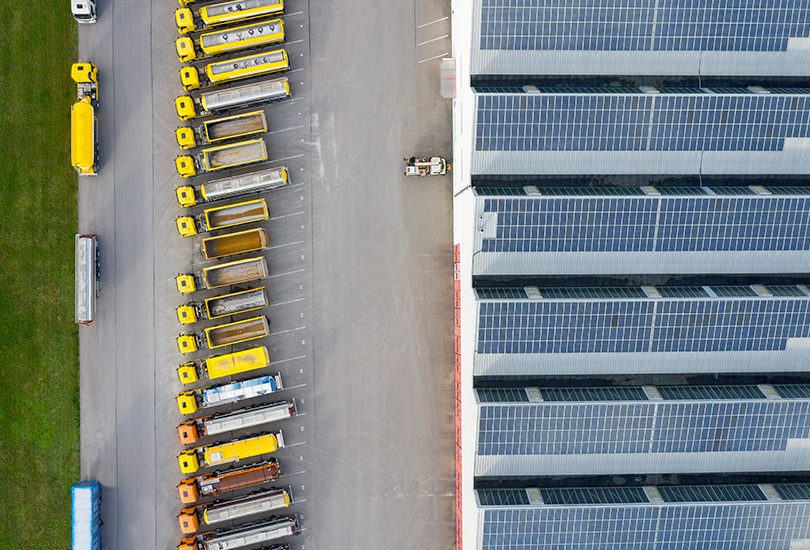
x=632 y=233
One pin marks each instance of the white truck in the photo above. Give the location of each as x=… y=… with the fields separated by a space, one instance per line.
x=207 y=103
x=191 y=431
x=190 y=401
x=254 y=182
x=259 y=502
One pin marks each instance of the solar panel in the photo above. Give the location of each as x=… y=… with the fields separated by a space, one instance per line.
x=502 y=395
x=636 y=122
x=710 y=392
x=641 y=427
x=743 y=526
x=793 y=491
x=793 y=391
x=593 y=495
x=648 y=224
x=663 y=25
x=608 y=393
x=711 y=493
x=502 y=497
x=641 y=325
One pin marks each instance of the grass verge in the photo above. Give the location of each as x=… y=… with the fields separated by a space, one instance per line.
x=39 y=349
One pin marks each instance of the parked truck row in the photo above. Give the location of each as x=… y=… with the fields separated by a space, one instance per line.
x=222 y=44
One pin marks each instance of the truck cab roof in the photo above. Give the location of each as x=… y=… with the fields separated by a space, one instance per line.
x=84 y=10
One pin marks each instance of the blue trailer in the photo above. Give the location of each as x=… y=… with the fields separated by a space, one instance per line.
x=85 y=500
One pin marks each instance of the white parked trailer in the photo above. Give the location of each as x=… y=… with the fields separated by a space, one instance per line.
x=86 y=278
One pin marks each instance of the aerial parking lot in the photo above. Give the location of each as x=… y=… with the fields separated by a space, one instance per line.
x=300 y=306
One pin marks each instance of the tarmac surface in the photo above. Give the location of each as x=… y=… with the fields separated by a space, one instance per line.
x=360 y=286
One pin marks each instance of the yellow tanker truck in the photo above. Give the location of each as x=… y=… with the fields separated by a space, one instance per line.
x=83 y=120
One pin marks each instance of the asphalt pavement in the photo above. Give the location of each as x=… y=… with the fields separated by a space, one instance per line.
x=360 y=284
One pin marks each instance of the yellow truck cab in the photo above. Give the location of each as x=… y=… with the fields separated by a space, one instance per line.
x=83 y=122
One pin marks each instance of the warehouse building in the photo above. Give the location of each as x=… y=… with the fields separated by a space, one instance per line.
x=641 y=230
x=519 y=38
x=522 y=131
x=632 y=290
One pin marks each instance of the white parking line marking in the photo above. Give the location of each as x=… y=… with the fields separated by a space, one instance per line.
x=288 y=158
x=286 y=129
x=422 y=26
x=433 y=40
x=285 y=215
x=296 y=329
x=287 y=302
x=284 y=245
x=287 y=360
x=287 y=273
x=434 y=57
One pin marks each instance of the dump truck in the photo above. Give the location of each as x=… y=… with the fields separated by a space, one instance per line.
x=245 y=95
x=190 y=401
x=216 y=130
x=222 y=217
x=193 y=489
x=255 y=182
x=85 y=499
x=268 y=530
x=232 y=39
x=229 y=334
x=191 y=460
x=223 y=306
x=230 y=70
x=224 y=365
x=231 y=155
x=83 y=120
x=231 y=244
x=191 y=431
x=225 y=13
x=215 y=512
x=220 y=275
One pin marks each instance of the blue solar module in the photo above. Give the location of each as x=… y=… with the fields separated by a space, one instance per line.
x=641 y=122
x=738 y=526
x=647 y=325
x=641 y=427
x=643 y=25
x=649 y=224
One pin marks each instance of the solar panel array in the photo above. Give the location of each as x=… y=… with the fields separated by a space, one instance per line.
x=738 y=526
x=649 y=224
x=641 y=427
x=694 y=121
x=657 y=25
x=641 y=325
